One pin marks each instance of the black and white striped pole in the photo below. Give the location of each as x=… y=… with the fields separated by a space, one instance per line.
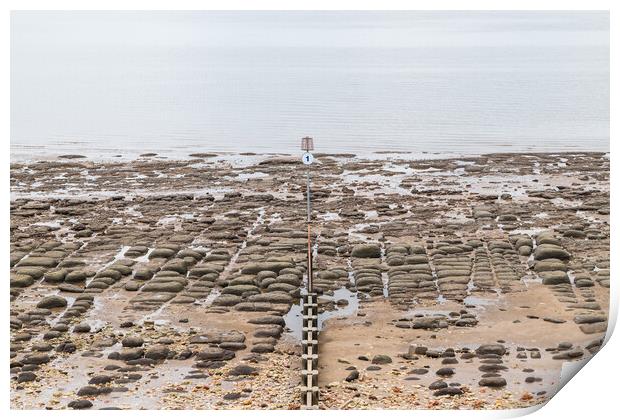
x=310 y=331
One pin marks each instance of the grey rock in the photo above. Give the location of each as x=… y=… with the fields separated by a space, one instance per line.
x=494 y=382
x=497 y=349
x=132 y=341
x=381 y=359
x=366 y=251
x=53 y=301
x=80 y=404
x=451 y=390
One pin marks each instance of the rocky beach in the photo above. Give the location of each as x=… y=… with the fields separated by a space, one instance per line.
x=155 y=283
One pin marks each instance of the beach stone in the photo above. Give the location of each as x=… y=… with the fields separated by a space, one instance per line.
x=38 y=262
x=168 y=286
x=598 y=327
x=366 y=251
x=450 y=390
x=381 y=359
x=132 y=341
x=243 y=370
x=75 y=276
x=34 y=272
x=549 y=265
x=157 y=352
x=584 y=283
x=493 y=382
x=554 y=277
x=56 y=276
x=263 y=348
x=100 y=379
x=26 y=377
x=240 y=289
x=232 y=396
x=589 y=319
x=143 y=274
x=90 y=390
x=429 y=323
x=275 y=266
x=492 y=367
x=270 y=331
x=567 y=355
x=445 y=372
x=267 y=320
x=132 y=286
x=66 y=347
x=352 y=376
x=218 y=337
x=271 y=297
x=554 y=320
x=36 y=358
x=81 y=328
x=130 y=354
x=109 y=273
x=80 y=404
x=418 y=350
x=265 y=275
x=53 y=301
x=161 y=253
x=70 y=288
x=437 y=385
x=20 y=280
x=497 y=349
x=213 y=353
x=227 y=300
x=546 y=251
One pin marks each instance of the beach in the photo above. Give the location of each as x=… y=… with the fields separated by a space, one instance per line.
x=463 y=281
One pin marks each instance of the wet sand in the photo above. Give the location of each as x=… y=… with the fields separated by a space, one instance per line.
x=157 y=283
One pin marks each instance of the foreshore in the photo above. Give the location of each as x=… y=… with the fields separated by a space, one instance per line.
x=461 y=282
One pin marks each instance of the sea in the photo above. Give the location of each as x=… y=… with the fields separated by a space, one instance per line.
x=119 y=84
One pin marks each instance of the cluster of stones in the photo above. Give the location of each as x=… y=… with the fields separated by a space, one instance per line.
x=367 y=269
x=331 y=279
x=216 y=348
x=482 y=276
x=53 y=266
x=158 y=277
x=166 y=274
x=484 y=213
x=452 y=263
x=462 y=318
x=258 y=285
x=551 y=261
x=507 y=268
x=409 y=273
x=522 y=243
x=490 y=356
x=44 y=261
x=204 y=276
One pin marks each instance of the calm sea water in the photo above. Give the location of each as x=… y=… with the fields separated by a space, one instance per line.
x=102 y=84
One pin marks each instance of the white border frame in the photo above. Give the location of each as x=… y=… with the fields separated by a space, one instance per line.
x=592 y=394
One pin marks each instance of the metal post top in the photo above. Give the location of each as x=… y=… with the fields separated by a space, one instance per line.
x=307 y=143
